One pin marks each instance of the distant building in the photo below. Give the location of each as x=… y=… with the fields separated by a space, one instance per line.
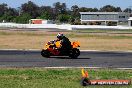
x=39 y=21
x=105 y=17
x=130 y=21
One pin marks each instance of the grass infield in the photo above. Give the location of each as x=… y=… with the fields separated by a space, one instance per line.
x=90 y=39
x=57 y=78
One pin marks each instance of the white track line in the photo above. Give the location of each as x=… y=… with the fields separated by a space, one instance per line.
x=23 y=49
x=88 y=68
x=80 y=50
x=4 y=66
x=72 y=67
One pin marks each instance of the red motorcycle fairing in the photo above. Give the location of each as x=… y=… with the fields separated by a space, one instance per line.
x=54 y=51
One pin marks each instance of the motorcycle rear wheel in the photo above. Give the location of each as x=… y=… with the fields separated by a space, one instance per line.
x=74 y=53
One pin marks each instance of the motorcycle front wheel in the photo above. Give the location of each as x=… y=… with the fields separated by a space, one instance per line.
x=45 y=53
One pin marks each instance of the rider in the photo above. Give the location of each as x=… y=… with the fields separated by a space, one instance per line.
x=64 y=41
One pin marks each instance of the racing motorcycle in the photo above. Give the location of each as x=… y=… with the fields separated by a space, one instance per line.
x=52 y=49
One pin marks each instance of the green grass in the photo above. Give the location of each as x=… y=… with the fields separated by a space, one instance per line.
x=57 y=78
x=101 y=34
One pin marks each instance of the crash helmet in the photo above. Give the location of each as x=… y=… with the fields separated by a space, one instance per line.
x=60 y=36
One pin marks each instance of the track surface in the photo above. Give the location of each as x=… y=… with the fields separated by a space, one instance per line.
x=19 y=58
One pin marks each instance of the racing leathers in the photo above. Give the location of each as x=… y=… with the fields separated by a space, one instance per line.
x=65 y=45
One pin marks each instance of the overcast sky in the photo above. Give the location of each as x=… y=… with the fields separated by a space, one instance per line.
x=81 y=3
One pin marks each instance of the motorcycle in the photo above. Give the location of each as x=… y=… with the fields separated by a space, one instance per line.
x=52 y=49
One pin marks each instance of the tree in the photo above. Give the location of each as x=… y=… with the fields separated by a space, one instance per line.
x=75 y=11
x=128 y=10
x=23 y=18
x=45 y=15
x=3 y=8
x=46 y=12
x=6 y=13
x=95 y=10
x=84 y=9
x=109 y=8
x=10 y=14
x=7 y=18
x=63 y=18
x=30 y=8
x=118 y=9
x=60 y=8
x=43 y=9
x=12 y=11
x=75 y=15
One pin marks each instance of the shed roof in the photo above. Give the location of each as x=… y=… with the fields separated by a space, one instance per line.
x=103 y=13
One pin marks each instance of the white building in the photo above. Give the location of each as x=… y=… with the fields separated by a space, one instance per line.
x=130 y=21
x=104 y=17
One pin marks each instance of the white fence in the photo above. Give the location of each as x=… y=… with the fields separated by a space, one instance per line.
x=63 y=26
x=99 y=27
x=52 y=26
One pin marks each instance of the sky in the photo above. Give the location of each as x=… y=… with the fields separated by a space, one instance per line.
x=81 y=3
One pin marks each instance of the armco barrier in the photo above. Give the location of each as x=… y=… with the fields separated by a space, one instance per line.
x=63 y=26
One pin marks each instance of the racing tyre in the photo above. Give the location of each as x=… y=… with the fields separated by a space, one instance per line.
x=74 y=53
x=45 y=53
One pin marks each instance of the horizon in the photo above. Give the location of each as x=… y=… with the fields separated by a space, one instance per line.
x=88 y=4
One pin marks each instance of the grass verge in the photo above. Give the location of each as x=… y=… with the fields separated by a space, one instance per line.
x=57 y=78
x=90 y=39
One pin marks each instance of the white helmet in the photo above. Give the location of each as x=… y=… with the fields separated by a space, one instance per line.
x=60 y=36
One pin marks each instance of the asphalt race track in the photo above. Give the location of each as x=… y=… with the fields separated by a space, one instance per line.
x=23 y=58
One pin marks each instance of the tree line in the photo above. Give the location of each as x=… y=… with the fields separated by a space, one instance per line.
x=59 y=12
